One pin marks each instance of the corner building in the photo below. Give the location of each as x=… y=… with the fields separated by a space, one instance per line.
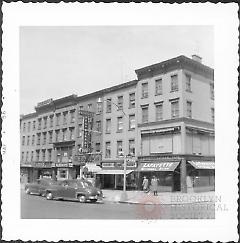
x=176 y=124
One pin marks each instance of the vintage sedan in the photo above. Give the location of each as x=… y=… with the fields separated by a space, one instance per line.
x=80 y=190
x=39 y=186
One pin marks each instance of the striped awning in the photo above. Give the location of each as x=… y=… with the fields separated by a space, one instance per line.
x=114 y=172
x=93 y=168
x=205 y=165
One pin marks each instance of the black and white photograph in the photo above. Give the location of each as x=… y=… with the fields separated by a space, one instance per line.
x=120 y=123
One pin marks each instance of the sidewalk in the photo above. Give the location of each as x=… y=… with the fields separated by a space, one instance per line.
x=165 y=198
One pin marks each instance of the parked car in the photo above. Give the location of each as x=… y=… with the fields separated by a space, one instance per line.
x=80 y=190
x=39 y=186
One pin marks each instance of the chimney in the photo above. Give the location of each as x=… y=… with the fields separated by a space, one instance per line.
x=197 y=58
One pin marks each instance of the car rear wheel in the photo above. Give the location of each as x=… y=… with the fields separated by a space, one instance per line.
x=81 y=198
x=27 y=190
x=49 y=196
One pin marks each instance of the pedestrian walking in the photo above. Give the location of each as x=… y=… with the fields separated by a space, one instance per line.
x=154 y=184
x=145 y=184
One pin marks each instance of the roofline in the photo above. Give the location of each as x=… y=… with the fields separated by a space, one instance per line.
x=180 y=62
x=30 y=115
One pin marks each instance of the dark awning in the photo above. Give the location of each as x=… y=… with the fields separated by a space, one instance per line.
x=206 y=165
x=114 y=172
x=161 y=166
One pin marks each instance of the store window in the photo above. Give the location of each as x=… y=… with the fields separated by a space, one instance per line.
x=132 y=122
x=63 y=174
x=188 y=82
x=175 y=109
x=109 y=105
x=189 y=109
x=132 y=100
x=108 y=150
x=119 y=148
x=158 y=87
x=145 y=114
x=159 y=111
x=144 y=90
x=174 y=83
x=108 y=125
x=132 y=147
x=120 y=102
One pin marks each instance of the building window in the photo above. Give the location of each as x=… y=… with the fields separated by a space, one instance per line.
x=89 y=106
x=64 y=118
x=72 y=116
x=132 y=122
x=131 y=147
x=29 y=126
x=109 y=105
x=37 y=155
x=108 y=125
x=99 y=107
x=58 y=119
x=50 y=136
x=38 y=138
x=98 y=123
x=23 y=140
x=22 y=156
x=45 y=122
x=32 y=153
x=49 y=154
x=188 y=82
x=159 y=111
x=24 y=127
x=175 y=109
x=132 y=100
x=212 y=90
x=33 y=139
x=119 y=148
x=28 y=140
x=174 y=83
x=39 y=123
x=64 y=133
x=51 y=121
x=189 y=109
x=108 y=150
x=81 y=107
x=27 y=157
x=120 y=102
x=63 y=173
x=144 y=90
x=119 y=124
x=80 y=130
x=34 y=125
x=71 y=130
x=98 y=149
x=213 y=115
x=144 y=114
x=43 y=155
x=158 y=87
x=44 y=137
x=57 y=132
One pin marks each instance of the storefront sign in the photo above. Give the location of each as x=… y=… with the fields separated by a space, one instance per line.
x=45 y=102
x=108 y=164
x=165 y=166
x=43 y=164
x=63 y=165
x=207 y=165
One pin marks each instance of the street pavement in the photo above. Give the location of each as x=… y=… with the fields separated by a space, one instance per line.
x=38 y=207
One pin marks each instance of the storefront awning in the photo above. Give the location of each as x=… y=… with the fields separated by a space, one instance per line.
x=93 y=168
x=163 y=166
x=205 y=165
x=114 y=172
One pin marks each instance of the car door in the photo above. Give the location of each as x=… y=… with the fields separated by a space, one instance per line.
x=70 y=189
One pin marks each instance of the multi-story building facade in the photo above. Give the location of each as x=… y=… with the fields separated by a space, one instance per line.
x=163 y=122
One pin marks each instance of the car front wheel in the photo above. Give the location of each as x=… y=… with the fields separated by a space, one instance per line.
x=49 y=196
x=81 y=198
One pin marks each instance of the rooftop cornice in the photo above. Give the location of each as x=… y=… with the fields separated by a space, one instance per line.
x=180 y=62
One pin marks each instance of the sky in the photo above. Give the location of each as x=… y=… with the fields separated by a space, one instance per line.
x=60 y=61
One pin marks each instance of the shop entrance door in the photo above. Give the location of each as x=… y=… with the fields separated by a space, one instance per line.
x=108 y=181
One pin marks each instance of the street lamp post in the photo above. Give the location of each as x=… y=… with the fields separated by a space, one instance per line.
x=124 y=193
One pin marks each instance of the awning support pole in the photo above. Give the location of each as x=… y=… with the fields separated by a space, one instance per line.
x=183 y=176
